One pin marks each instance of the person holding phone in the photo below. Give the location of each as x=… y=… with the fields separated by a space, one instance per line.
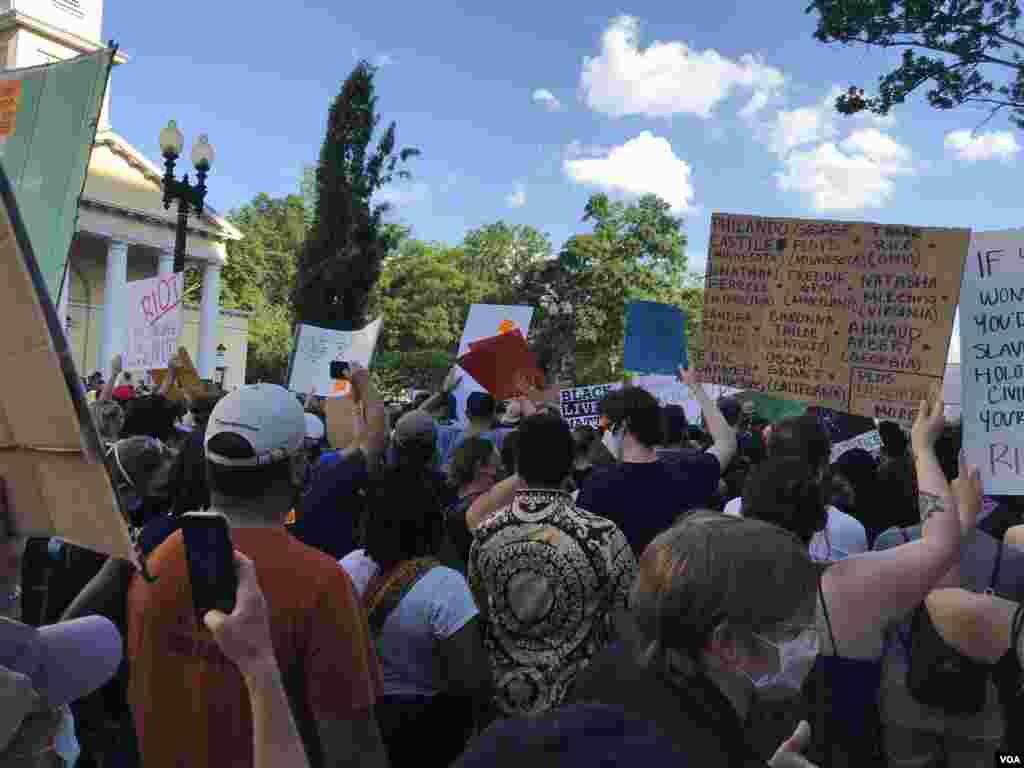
x=180 y=682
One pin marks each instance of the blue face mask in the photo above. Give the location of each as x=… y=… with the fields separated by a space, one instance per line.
x=796 y=658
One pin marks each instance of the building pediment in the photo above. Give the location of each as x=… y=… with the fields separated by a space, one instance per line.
x=121 y=178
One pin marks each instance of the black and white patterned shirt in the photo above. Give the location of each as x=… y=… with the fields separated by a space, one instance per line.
x=547 y=576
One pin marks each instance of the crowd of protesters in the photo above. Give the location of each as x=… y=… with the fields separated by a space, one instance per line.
x=415 y=591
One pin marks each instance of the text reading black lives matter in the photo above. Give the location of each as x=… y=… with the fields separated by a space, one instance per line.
x=850 y=316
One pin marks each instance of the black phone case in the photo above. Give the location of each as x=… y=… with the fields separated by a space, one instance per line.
x=211 y=564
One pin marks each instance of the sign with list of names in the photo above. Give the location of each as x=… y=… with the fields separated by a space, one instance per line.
x=855 y=317
x=992 y=359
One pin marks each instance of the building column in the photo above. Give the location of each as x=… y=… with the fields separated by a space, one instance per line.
x=209 y=314
x=113 y=296
x=165 y=265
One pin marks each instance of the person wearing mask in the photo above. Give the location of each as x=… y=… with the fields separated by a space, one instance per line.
x=858 y=597
x=329 y=513
x=805 y=438
x=644 y=496
x=255 y=468
x=721 y=615
x=424 y=622
x=541 y=567
x=474 y=470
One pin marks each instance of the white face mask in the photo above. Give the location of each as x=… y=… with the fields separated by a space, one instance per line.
x=613 y=441
x=796 y=658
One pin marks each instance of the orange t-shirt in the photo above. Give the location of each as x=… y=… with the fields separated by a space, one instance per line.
x=190 y=703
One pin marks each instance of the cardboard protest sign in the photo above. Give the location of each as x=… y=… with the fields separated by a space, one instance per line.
x=154 y=322
x=497 y=363
x=341 y=414
x=851 y=316
x=655 y=338
x=992 y=368
x=315 y=349
x=50 y=453
x=187 y=382
x=579 y=404
x=484 y=321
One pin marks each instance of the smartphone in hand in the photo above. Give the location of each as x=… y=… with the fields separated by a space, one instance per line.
x=211 y=562
x=340 y=370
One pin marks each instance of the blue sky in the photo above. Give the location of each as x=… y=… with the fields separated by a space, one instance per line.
x=523 y=110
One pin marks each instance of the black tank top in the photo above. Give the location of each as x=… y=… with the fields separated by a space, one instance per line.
x=1008 y=679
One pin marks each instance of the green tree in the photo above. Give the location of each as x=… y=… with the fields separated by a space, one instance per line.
x=347 y=242
x=636 y=251
x=501 y=254
x=424 y=294
x=968 y=51
x=258 y=275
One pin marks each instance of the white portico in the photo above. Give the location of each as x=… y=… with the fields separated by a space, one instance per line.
x=124 y=232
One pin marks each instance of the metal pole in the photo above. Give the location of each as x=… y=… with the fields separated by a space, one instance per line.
x=181 y=235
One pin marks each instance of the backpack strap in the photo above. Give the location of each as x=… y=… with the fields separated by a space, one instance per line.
x=387 y=590
x=994 y=581
x=824 y=608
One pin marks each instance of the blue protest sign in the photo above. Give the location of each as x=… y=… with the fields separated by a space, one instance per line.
x=655 y=338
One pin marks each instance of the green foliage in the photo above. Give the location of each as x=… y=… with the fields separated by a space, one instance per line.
x=501 y=254
x=636 y=251
x=962 y=48
x=270 y=344
x=347 y=242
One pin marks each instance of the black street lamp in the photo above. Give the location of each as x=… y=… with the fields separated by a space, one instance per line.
x=190 y=197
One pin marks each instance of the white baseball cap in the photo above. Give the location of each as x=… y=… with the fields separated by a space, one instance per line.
x=267 y=416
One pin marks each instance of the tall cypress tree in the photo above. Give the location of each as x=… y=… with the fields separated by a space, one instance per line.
x=341 y=258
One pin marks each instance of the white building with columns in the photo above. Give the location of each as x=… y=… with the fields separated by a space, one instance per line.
x=124 y=233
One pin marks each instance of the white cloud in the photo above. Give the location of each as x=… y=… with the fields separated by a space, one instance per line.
x=402 y=195
x=857 y=173
x=517 y=198
x=795 y=127
x=643 y=165
x=383 y=60
x=972 y=147
x=546 y=99
x=669 y=78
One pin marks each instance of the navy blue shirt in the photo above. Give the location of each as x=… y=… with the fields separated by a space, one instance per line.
x=330 y=508
x=645 y=499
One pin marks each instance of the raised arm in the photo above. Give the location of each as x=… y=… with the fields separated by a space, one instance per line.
x=501 y=495
x=109 y=384
x=373 y=434
x=450 y=384
x=244 y=637
x=170 y=378
x=866 y=592
x=724 y=436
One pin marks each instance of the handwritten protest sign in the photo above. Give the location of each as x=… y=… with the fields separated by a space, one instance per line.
x=153 y=308
x=867 y=441
x=314 y=350
x=655 y=338
x=187 y=383
x=579 y=404
x=851 y=316
x=992 y=359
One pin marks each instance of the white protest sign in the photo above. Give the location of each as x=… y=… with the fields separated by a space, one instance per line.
x=484 y=321
x=153 y=312
x=579 y=404
x=316 y=348
x=992 y=359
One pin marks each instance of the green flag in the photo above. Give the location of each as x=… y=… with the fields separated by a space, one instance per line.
x=48 y=119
